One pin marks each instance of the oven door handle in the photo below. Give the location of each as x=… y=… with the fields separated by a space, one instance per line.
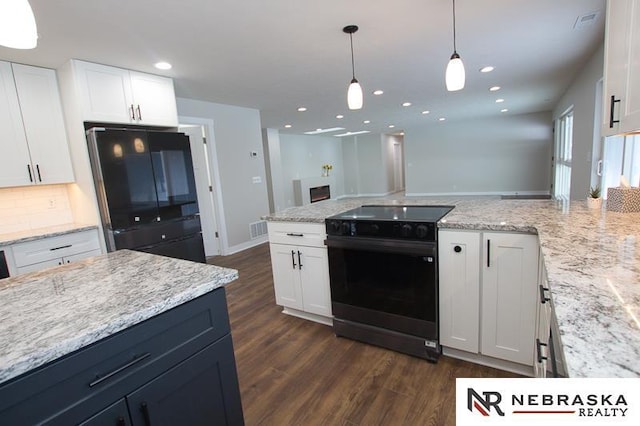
x=382 y=245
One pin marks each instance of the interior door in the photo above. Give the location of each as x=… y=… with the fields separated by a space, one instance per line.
x=204 y=188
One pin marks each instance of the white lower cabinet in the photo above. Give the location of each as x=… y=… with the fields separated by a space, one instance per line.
x=543 y=324
x=45 y=253
x=301 y=271
x=488 y=284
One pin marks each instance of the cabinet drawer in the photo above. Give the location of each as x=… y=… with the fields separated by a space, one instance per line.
x=74 y=387
x=57 y=261
x=48 y=249
x=298 y=233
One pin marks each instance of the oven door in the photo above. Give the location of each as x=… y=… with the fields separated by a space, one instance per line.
x=390 y=284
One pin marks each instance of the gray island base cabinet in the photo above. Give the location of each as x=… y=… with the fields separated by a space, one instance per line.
x=177 y=368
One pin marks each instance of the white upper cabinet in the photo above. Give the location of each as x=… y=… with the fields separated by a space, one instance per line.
x=34 y=140
x=621 y=101
x=115 y=95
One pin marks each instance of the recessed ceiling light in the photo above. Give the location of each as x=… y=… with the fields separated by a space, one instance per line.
x=302 y=109
x=378 y=92
x=339 y=116
x=499 y=100
x=426 y=112
x=352 y=133
x=406 y=104
x=367 y=121
x=163 y=65
x=401 y=133
x=486 y=69
x=494 y=88
x=288 y=126
x=504 y=110
x=441 y=119
x=391 y=126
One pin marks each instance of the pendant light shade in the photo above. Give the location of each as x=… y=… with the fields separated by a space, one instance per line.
x=354 y=94
x=455 y=73
x=17 y=25
x=454 y=76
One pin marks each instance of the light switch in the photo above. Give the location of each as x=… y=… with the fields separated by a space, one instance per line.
x=257 y=179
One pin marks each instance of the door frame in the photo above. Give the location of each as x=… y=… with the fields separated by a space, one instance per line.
x=214 y=176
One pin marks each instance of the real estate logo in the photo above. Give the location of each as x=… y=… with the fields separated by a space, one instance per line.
x=556 y=401
x=483 y=405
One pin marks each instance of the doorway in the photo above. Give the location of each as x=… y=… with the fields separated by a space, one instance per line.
x=200 y=132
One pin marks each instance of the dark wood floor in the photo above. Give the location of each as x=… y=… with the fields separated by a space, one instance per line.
x=297 y=372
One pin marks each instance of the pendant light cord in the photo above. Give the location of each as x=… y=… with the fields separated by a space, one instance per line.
x=454 y=27
x=353 y=66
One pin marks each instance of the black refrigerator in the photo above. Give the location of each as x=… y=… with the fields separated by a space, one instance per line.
x=146 y=191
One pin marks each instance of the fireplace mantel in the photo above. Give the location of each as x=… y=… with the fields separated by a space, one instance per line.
x=301 y=188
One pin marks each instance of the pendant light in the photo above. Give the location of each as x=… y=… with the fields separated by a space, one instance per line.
x=454 y=76
x=354 y=94
x=17 y=25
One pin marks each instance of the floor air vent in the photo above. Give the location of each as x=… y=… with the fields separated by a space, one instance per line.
x=258 y=229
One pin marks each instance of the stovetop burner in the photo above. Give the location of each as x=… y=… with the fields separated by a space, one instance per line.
x=395 y=222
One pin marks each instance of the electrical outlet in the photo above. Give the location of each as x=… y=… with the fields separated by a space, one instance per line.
x=52 y=203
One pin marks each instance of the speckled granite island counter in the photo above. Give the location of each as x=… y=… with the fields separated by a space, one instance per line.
x=57 y=313
x=592 y=261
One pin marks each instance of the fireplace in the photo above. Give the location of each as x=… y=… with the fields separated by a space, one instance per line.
x=319 y=193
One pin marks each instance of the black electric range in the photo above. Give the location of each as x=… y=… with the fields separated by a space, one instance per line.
x=383 y=272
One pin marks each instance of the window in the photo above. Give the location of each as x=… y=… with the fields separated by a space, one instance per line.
x=563 y=146
x=621 y=158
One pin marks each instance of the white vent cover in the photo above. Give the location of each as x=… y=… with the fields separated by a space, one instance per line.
x=258 y=229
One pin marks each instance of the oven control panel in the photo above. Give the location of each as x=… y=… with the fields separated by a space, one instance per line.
x=422 y=231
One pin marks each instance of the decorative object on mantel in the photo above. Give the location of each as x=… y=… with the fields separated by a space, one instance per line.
x=594 y=201
x=325 y=169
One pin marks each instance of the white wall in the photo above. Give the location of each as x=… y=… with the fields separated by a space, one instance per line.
x=26 y=208
x=581 y=94
x=496 y=155
x=237 y=134
x=302 y=156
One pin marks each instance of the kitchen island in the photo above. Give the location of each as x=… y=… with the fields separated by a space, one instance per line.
x=101 y=333
x=591 y=259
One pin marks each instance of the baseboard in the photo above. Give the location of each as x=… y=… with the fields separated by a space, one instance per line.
x=476 y=194
x=308 y=316
x=488 y=361
x=246 y=245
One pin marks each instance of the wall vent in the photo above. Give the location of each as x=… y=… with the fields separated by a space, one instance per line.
x=258 y=229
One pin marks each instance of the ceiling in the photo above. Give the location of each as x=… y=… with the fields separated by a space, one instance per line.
x=278 y=55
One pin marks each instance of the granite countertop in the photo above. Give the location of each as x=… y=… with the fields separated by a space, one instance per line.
x=48 y=314
x=592 y=258
x=37 y=234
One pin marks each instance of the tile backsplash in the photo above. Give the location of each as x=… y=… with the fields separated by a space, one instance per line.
x=33 y=207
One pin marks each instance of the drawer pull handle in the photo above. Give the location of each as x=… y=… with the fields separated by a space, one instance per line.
x=539 y=346
x=144 y=407
x=294 y=234
x=134 y=361
x=61 y=247
x=543 y=298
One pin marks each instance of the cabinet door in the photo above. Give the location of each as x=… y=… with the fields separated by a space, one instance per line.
x=154 y=99
x=105 y=92
x=509 y=286
x=459 y=283
x=203 y=390
x=286 y=275
x=314 y=278
x=116 y=414
x=631 y=119
x=14 y=161
x=43 y=123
